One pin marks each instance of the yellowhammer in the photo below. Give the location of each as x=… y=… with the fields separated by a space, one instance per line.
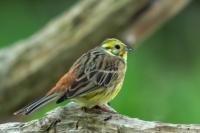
x=93 y=80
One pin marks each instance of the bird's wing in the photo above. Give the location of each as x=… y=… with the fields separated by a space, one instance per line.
x=90 y=72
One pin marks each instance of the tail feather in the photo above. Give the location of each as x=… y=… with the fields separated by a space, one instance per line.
x=36 y=105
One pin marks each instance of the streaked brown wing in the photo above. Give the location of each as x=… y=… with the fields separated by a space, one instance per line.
x=94 y=70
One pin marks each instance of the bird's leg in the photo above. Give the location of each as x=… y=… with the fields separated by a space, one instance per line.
x=99 y=109
x=105 y=108
x=92 y=109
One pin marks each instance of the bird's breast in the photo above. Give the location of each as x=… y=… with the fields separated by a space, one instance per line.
x=105 y=94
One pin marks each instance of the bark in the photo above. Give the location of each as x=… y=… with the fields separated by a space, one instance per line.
x=72 y=119
x=31 y=67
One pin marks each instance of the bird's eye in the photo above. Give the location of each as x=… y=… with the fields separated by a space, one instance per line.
x=117 y=46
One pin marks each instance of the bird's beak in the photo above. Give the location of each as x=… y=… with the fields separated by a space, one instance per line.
x=128 y=48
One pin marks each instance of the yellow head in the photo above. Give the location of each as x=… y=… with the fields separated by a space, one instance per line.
x=116 y=48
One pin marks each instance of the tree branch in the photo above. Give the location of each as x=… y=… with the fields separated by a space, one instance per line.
x=72 y=119
x=151 y=17
x=32 y=66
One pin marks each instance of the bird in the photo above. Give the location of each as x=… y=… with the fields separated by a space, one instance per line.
x=94 y=79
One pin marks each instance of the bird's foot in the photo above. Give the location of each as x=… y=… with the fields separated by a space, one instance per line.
x=91 y=110
x=99 y=109
x=105 y=108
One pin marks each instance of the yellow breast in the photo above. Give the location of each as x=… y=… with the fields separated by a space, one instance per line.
x=100 y=96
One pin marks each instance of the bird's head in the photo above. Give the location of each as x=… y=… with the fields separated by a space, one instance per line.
x=116 y=48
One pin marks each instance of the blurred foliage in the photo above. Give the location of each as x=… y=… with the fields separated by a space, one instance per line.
x=21 y=18
x=163 y=77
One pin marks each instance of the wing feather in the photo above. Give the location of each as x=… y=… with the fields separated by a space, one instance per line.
x=95 y=70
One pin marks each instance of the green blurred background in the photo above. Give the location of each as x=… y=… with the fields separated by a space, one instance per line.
x=163 y=77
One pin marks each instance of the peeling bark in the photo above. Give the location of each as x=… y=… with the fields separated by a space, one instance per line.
x=72 y=119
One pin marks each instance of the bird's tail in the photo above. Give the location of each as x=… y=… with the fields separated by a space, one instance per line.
x=36 y=105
